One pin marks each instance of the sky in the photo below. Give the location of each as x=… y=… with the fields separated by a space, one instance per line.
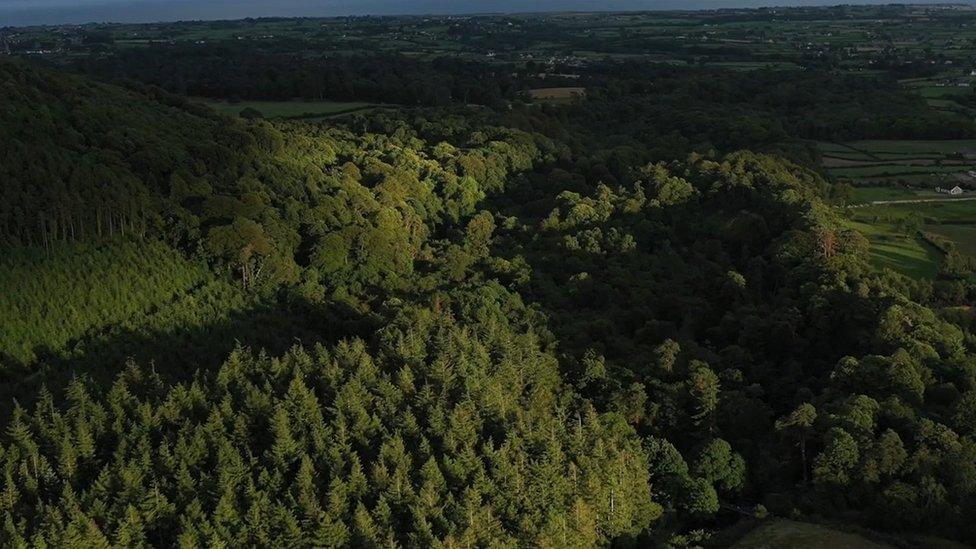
x=49 y=12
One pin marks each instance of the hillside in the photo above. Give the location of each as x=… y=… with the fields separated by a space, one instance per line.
x=446 y=326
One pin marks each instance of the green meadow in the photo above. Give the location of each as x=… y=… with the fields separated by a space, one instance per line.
x=894 y=232
x=289 y=109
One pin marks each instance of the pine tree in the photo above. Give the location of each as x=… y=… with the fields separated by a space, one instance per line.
x=285 y=447
x=799 y=425
x=131 y=532
x=703 y=389
x=329 y=532
x=364 y=530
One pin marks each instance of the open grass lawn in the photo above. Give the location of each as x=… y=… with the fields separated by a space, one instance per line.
x=866 y=195
x=557 y=94
x=960 y=211
x=902 y=147
x=963 y=235
x=288 y=109
x=916 y=180
x=845 y=154
x=896 y=169
x=754 y=65
x=782 y=533
x=962 y=151
x=909 y=254
x=940 y=92
x=875 y=164
x=893 y=249
x=940 y=212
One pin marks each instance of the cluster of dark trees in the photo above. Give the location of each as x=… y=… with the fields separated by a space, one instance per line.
x=733 y=110
x=433 y=434
x=549 y=326
x=718 y=108
x=230 y=70
x=720 y=307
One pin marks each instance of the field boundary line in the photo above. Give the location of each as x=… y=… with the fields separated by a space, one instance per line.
x=919 y=201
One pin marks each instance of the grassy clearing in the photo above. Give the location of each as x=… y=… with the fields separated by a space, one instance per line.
x=866 y=195
x=754 y=65
x=917 y=180
x=900 y=249
x=941 y=92
x=915 y=147
x=896 y=170
x=289 y=109
x=878 y=163
x=964 y=236
x=941 y=212
x=778 y=533
x=898 y=158
x=951 y=212
x=900 y=252
x=557 y=94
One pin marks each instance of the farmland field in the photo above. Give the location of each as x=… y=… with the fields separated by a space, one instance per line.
x=900 y=149
x=930 y=213
x=866 y=195
x=923 y=164
x=557 y=94
x=903 y=147
x=801 y=535
x=875 y=170
x=963 y=235
x=894 y=230
x=891 y=248
x=289 y=109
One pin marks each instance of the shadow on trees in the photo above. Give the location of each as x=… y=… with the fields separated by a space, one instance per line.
x=179 y=354
x=674 y=283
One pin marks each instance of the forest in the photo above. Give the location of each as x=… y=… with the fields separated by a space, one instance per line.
x=468 y=318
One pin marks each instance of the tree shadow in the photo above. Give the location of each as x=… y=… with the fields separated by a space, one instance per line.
x=176 y=355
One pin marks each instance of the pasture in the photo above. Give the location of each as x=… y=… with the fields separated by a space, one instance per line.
x=962 y=235
x=557 y=95
x=943 y=92
x=778 y=533
x=893 y=231
x=905 y=253
x=924 y=164
x=866 y=195
x=288 y=109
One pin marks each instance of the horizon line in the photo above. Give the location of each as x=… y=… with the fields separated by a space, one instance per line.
x=460 y=13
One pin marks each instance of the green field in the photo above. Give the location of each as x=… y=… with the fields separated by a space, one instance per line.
x=893 y=249
x=289 y=109
x=894 y=170
x=963 y=235
x=883 y=170
x=906 y=147
x=931 y=213
x=557 y=95
x=901 y=249
x=782 y=533
x=755 y=65
x=866 y=195
x=790 y=534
